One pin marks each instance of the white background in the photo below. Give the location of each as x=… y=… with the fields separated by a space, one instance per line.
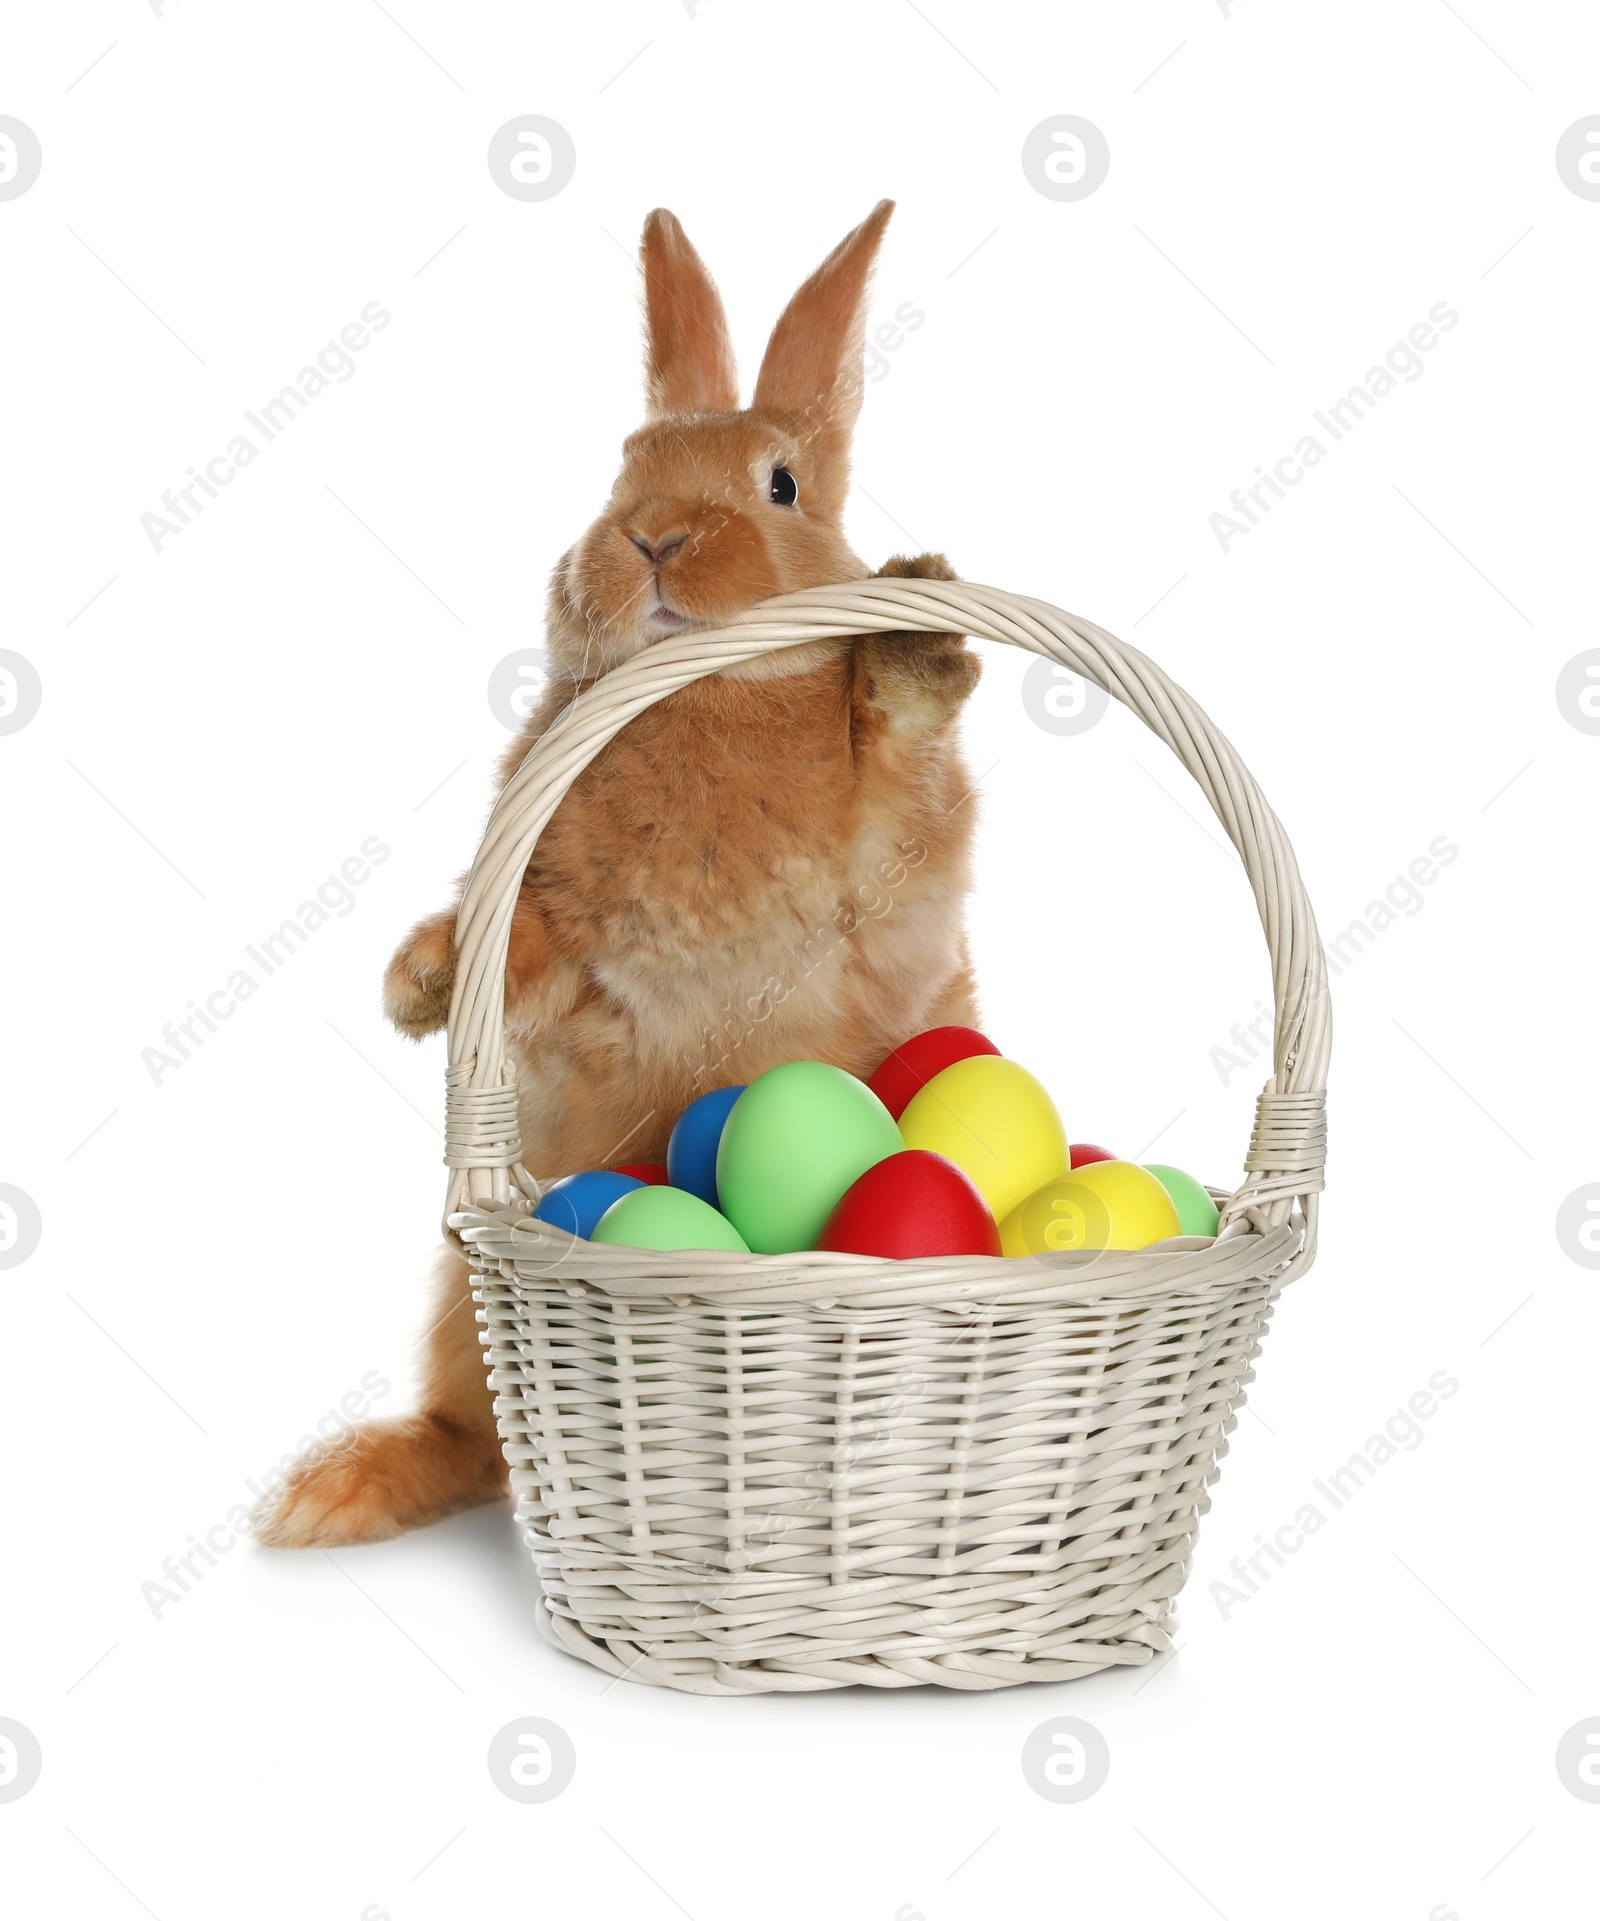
x=225 y=721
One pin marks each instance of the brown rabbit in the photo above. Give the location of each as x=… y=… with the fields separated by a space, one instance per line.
x=769 y=865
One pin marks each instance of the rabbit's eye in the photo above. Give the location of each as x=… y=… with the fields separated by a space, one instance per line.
x=785 y=489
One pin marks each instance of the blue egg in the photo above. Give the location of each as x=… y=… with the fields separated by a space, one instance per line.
x=578 y=1202
x=692 y=1150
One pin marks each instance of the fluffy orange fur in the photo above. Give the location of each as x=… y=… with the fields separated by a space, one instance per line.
x=769 y=865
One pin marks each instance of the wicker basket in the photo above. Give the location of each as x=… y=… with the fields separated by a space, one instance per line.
x=741 y=1473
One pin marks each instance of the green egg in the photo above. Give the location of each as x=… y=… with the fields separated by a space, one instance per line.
x=1197 y=1212
x=796 y=1138
x=668 y=1220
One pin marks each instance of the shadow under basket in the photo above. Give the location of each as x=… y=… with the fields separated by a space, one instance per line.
x=745 y=1473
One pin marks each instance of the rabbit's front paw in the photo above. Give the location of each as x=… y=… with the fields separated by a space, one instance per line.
x=917 y=567
x=419 y=980
x=918 y=681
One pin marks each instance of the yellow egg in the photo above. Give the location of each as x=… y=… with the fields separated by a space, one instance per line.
x=1108 y=1204
x=995 y=1121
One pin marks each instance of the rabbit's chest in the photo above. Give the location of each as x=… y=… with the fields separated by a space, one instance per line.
x=736 y=882
x=716 y=827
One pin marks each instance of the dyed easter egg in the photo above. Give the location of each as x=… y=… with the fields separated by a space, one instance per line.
x=915 y=1062
x=1108 y=1204
x=1084 y=1153
x=578 y=1202
x=652 y=1173
x=692 y=1150
x=668 y=1220
x=913 y=1204
x=797 y=1137
x=996 y=1122
x=1197 y=1212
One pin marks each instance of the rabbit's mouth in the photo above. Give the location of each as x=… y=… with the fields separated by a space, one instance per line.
x=667 y=620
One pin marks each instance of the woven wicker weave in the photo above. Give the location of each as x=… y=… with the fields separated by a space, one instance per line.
x=742 y=1472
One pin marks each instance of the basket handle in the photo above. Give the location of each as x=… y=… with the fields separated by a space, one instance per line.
x=1287 y=1148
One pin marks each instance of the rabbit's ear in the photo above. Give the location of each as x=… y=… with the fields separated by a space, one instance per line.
x=813 y=362
x=689 y=364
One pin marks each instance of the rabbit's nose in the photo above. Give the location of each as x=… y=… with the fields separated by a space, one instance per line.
x=658 y=551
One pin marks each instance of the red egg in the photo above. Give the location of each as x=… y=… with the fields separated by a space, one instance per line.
x=646 y=1171
x=913 y=1204
x=915 y=1062
x=1083 y=1154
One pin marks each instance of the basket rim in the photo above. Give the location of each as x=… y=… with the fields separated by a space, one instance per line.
x=1288 y=1147
x=508 y=1240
